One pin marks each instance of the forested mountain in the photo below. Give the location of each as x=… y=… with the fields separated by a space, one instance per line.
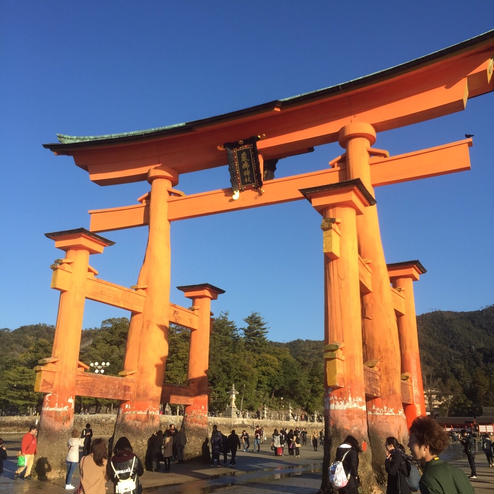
x=457 y=354
x=457 y=351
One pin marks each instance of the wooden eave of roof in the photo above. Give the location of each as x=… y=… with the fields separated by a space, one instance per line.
x=386 y=99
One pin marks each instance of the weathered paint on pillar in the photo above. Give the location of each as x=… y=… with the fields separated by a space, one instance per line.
x=402 y=276
x=196 y=414
x=344 y=402
x=380 y=332
x=139 y=417
x=57 y=413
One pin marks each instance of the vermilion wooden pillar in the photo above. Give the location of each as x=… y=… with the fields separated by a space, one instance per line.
x=57 y=413
x=402 y=276
x=344 y=401
x=147 y=347
x=380 y=332
x=196 y=414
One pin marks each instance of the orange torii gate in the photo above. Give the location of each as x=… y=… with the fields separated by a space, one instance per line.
x=367 y=394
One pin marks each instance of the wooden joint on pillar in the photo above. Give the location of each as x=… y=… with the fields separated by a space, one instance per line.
x=92 y=271
x=335 y=365
x=62 y=264
x=406 y=390
x=125 y=373
x=372 y=378
x=365 y=275
x=48 y=360
x=382 y=153
x=331 y=237
x=81 y=366
x=398 y=301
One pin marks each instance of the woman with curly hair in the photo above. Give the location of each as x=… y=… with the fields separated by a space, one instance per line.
x=427 y=440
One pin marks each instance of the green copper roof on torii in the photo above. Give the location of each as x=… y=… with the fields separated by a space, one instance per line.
x=67 y=140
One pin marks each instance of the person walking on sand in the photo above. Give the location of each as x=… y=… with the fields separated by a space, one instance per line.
x=3 y=454
x=92 y=468
x=469 y=449
x=28 y=450
x=397 y=467
x=72 y=458
x=125 y=468
x=233 y=443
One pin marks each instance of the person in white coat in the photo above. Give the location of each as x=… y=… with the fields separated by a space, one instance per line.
x=72 y=459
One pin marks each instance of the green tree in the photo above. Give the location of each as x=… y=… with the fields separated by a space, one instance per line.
x=255 y=332
x=225 y=352
x=177 y=362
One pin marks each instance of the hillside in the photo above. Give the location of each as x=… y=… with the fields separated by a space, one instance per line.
x=457 y=353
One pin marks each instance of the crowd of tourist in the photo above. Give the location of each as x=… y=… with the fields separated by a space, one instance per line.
x=406 y=473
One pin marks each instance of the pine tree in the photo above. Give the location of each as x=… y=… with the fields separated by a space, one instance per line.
x=255 y=334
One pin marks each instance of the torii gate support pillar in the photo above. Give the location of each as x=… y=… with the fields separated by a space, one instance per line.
x=195 y=421
x=402 y=276
x=60 y=370
x=380 y=331
x=148 y=340
x=344 y=393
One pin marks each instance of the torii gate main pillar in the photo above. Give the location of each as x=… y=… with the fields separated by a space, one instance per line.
x=344 y=388
x=148 y=341
x=380 y=332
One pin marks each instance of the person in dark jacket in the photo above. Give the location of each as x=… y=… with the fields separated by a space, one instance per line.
x=155 y=450
x=3 y=455
x=206 y=454
x=397 y=467
x=87 y=434
x=487 y=449
x=349 y=449
x=427 y=440
x=233 y=443
x=216 y=445
x=224 y=448
x=469 y=449
x=125 y=465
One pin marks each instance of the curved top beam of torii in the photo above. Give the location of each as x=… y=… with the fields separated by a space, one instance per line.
x=425 y=88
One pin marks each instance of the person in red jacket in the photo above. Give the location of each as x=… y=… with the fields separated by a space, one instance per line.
x=28 y=449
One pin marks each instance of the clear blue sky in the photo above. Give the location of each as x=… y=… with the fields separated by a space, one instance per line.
x=93 y=67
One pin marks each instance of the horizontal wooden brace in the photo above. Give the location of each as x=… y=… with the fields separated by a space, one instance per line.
x=122 y=297
x=87 y=384
x=100 y=386
x=184 y=317
x=439 y=160
x=177 y=395
x=115 y=295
